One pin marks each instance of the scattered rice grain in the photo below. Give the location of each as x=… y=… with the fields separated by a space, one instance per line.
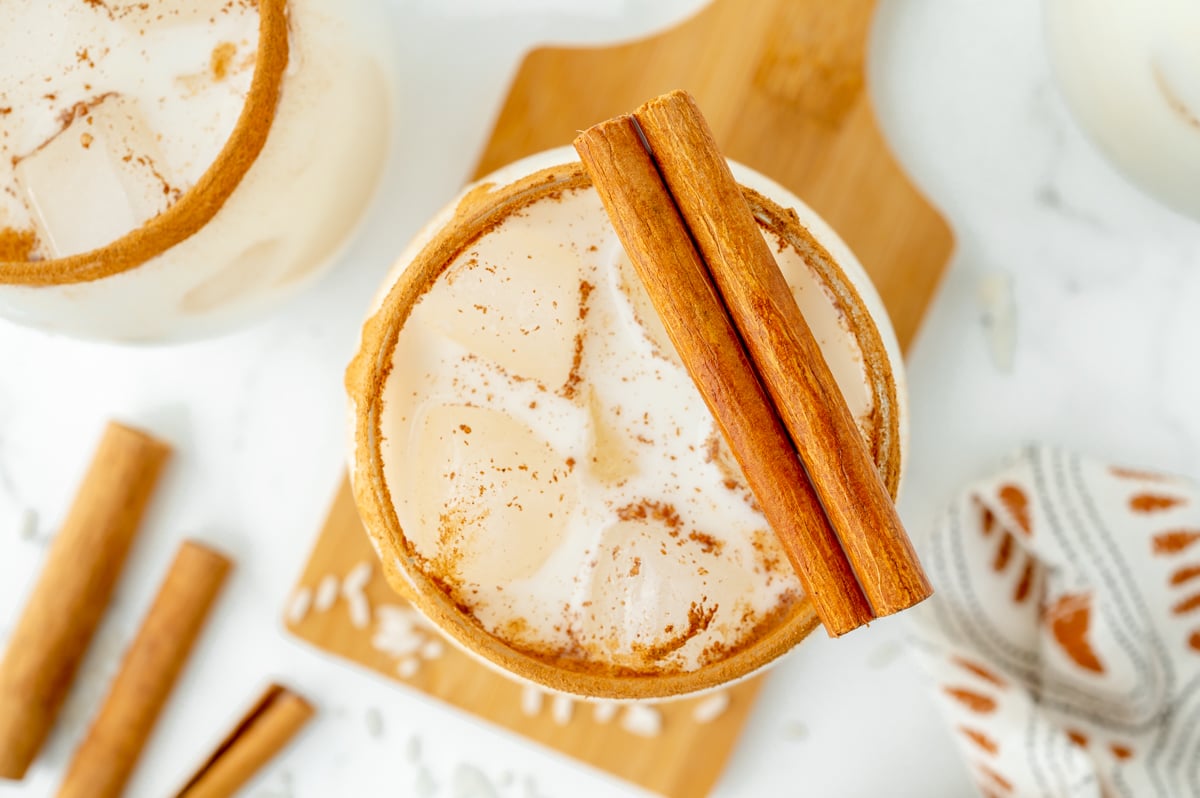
x=299 y=606
x=642 y=720
x=561 y=709
x=27 y=524
x=374 y=721
x=357 y=579
x=471 y=782
x=327 y=593
x=711 y=708
x=398 y=644
x=604 y=711
x=360 y=610
x=433 y=649
x=531 y=700
x=412 y=750
x=408 y=667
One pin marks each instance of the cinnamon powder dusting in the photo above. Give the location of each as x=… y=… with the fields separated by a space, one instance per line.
x=570 y=388
x=81 y=108
x=222 y=57
x=16 y=245
x=656 y=511
x=699 y=619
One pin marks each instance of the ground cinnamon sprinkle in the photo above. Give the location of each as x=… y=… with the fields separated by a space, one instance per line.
x=767 y=559
x=222 y=56
x=699 y=618
x=708 y=544
x=81 y=108
x=750 y=634
x=585 y=292
x=657 y=511
x=16 y=245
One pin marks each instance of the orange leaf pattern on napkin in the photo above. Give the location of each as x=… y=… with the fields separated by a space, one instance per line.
x=1064 y=636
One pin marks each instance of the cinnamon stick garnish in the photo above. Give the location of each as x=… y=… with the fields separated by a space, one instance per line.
x=106 y=758
x=73 y=590
x=784 y=352
x=676 y=278
x=261 y=734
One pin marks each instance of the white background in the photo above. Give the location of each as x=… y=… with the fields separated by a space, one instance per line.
x=1096 y=350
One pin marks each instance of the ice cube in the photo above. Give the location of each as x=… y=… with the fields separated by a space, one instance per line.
x=643 y=587
x=612 y=458
x=96 y=180
x=633 y=290
x=514 y=299
x=492 y=498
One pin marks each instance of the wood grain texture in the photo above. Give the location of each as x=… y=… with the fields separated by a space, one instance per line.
x=781 y=82
x=74 y=590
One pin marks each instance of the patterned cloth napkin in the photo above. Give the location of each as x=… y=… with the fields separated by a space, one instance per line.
x=1064 y=639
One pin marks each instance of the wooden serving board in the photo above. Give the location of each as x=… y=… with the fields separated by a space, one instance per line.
x=782 y=84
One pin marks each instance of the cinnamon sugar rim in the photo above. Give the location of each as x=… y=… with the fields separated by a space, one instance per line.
x=478 y=212
x=200 y=203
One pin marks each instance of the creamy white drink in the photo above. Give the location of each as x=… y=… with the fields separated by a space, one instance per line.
x=169 y=167
x=108 y=114
x=555 y=476
x=1130 y=70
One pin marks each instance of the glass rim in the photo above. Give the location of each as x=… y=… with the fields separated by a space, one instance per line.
x=480 y=208
x=200 y=203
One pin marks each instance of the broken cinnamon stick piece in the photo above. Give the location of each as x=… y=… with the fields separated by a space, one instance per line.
x=784 y=352
x=104 y=761
x=677 y=281
x=261 y=734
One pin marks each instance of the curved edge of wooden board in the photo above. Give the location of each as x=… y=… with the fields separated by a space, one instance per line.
x=782 y=83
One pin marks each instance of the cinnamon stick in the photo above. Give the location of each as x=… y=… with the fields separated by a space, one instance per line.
x=261 y=734
x=73 y=590
x=659 y=246
x=106 y=758
x=785 y=354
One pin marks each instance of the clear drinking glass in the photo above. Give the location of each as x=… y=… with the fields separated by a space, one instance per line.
x=174 y=168
x=538 y=473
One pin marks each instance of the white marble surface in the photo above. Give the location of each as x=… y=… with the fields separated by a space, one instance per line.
x=1097 y=349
